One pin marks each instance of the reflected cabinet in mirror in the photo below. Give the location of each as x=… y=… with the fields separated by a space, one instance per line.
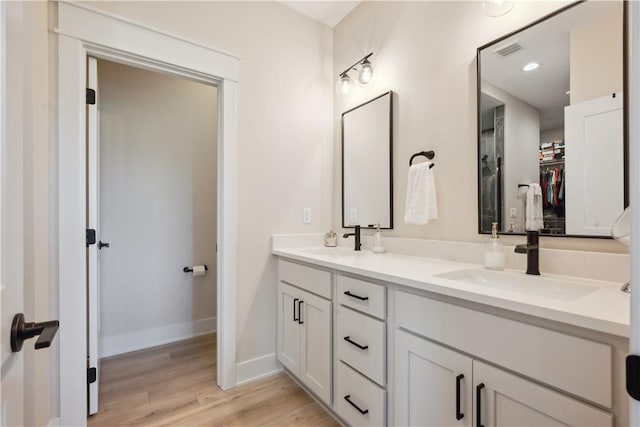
x=367 y=187
x=552 y=127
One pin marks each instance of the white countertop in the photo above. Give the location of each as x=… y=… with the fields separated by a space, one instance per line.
x=606 y=309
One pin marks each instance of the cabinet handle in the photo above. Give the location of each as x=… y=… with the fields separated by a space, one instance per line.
x=361 y=347
x=295 y=300
x=479 y=388
x=349 y=294
x=363 y=412
x=300 y=312
x=459 y=415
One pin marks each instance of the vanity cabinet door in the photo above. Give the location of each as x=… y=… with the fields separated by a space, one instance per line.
x=315 y=361
x=506 y=400
x=432 y=384
x=289 y=328
x=304 y=338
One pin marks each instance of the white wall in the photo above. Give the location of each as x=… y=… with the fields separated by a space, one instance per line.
x=158 y=156
x=596 y=58
x=285 y=138
x=521 y=148
x=426 y=53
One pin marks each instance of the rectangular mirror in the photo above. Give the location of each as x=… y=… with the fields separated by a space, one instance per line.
x=367 y=187
x=551 y=111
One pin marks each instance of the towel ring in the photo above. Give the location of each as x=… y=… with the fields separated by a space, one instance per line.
x=428 y=154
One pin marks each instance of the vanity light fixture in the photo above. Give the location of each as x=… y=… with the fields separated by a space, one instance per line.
x=495 y=8
x=365 y=75
x=530 y=66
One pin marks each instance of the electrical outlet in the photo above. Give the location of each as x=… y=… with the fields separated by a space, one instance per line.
x=306 y=215
x=354 y=216
x=513 y=213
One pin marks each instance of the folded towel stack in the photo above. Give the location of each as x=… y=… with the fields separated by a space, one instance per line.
x=421 y=205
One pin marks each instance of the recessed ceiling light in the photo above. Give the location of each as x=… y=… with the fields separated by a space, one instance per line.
x=568 y=92
x=530 y=66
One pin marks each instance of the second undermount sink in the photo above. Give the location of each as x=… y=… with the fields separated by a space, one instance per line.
x=539 y=286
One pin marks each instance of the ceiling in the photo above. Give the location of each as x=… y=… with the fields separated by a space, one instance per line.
x=329 y=13
x=548 y=44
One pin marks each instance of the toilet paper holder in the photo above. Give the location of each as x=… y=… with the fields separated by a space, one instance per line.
x=190 y=269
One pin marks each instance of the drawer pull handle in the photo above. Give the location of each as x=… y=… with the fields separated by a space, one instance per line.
x=349 y=294
x=459 y=415
x=295 y=300
x=300 y=312
x=479 y=388
x=361 y=347
x=348 y=399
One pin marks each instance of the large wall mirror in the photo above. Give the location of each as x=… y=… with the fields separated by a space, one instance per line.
x=367 y=187
x=551 y=111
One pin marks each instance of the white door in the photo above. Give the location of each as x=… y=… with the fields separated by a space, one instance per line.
x=587 y=125
x=505 y=400
x=433 y=384
x=93 y=223
x=11 y=214
x=289 y=327
x=315 y=356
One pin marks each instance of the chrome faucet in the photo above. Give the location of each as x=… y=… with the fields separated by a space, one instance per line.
x=357 y=244
x=531 y=248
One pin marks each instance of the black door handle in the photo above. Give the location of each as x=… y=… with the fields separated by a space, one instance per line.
x=295 y=300
x=102 y=244
x=21 y=331
x=349 y=294
x=348 y=399
x=479 y=388
x=300 y=312
x=361 y=347
x=459 y=415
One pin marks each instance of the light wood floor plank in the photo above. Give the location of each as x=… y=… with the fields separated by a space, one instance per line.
x=175 y=385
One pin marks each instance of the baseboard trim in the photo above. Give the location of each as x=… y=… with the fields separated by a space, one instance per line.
x=151 y=337
x=255 y=369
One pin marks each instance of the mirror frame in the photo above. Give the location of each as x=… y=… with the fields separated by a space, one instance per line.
x=625 y=114
x=371 y=226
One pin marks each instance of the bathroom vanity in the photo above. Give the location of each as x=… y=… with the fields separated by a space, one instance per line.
x=405 y=340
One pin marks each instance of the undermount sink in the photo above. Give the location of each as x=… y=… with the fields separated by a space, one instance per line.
x=539 y=286
x=337 y=252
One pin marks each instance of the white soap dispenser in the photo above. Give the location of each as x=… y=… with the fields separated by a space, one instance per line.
x=378 y=247
x=494 y=258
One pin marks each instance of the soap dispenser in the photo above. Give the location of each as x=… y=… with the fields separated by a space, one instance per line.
x=494 y=258
x=378 y=247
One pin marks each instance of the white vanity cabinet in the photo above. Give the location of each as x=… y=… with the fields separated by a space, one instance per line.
x=304 y=326
x=430 y=391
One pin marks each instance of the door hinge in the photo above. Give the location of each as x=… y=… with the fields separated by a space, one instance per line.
x=91 y=237
x=633 y=376
x=91 y=375
x=91 y=96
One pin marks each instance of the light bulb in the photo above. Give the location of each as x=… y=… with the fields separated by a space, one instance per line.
x=343 y=87
x=366 y=72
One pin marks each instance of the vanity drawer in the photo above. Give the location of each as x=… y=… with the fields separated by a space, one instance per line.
x=354 y=330
x=363 y=296
x=364 y=396
x=311 y=279
x=576 y=365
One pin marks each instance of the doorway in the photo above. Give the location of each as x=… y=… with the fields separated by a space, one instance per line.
x=152 y=147
x=132 y=44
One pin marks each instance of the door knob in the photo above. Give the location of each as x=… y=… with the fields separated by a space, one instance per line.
x=21 y=331
x=102 y=244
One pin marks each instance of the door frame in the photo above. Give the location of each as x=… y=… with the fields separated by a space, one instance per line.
x=85 y=31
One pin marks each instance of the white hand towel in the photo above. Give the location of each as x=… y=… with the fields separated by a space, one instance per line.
x=533 y=210
x=421 y=205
